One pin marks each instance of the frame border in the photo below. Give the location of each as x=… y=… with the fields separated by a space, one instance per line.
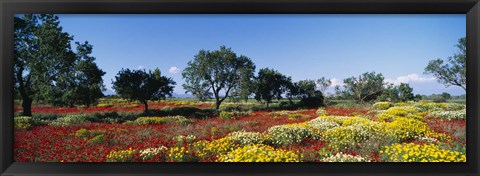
x=10 y=7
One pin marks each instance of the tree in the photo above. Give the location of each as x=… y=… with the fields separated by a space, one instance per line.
x=306 y=88
x=138 y=85
x=390 y=93
x=323 y=83
x=42 y=57
x=221 y=70
x=198 y=89
x=366 y=87
x=446 y=95
x=245 y=88
x=47 y=69
x=453 y=71
x=405 y=92
x=270 y=84
x=89 y=82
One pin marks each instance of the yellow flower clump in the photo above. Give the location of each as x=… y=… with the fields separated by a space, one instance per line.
x=382 y=105
x=406 y=128
x=215 y=147
x=181 y=154
x=259 y=153
x=420 y=153
x=121 y=156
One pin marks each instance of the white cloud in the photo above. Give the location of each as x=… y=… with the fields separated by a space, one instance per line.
x=141 y=67
x=174 y=70
x=410 y=79
x=336 y=82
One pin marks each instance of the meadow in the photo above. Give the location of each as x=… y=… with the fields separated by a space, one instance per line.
x=184 y=130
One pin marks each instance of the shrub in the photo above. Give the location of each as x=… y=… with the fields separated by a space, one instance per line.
x=184 y=139
x=298 y=116
x=455 y=107
x=286 y=135
x=46 y=117
x=226 y=115
x=151 y=153
x=150 y=120
x=312 y=102
x=382 y=105
x=205 y=149
x=84 y=133
x=321 y=112
x=348 y=138
x=407 y=129
x=25 y=122
x=320 y=125
x=341 y=157
x=405 y=111
x=345 y=120
x=246 y=138
x=259 y=153
x=181 y=154
x=449 y=115
x=162 y=120
x=122 y=155
x=281 y=113
x=420 y=153
x=102 y=105
x=71 y=119
x=98 y=139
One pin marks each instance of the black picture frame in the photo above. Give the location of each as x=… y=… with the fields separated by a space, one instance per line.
x=10 y=7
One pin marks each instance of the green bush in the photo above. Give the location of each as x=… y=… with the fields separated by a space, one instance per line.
x=24 y=122
x=71 y=119
x=226 y=115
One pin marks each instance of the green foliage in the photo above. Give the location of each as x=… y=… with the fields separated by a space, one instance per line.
x=220 y=70
x=270 y=84
x=226 y=115
x=161 y=120
x=366 y=87
x=286 y=135
x=451 y=72
x=24 y=122
x=138 y=85
x=71 y=119
x=47 y=69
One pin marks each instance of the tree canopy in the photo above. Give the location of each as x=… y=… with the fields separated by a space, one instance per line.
x=47 y=69
x=222 y=70
x=270 y=84
x=366 y=87
x=142 y=86
x=451 y=72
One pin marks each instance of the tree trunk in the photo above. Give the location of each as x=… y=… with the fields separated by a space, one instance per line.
x=217 y=104
x=267 y=104
x=27 y=106
x=146 y=106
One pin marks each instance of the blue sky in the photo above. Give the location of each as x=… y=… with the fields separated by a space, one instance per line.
x=300 y=46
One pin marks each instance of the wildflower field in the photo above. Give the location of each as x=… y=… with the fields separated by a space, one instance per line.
x=186 y=131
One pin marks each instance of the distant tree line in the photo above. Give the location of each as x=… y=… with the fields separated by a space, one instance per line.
x=47 y=69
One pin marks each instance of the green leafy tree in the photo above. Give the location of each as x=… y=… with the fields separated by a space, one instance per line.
x=405 y=92
x=451 y=72
x=364 y=88
x=390 y=93
x=43 y=59
x=245 y=88
x=88 y=76
x=222 y=70
x=306 y=88
x=270 y=84
x=142 y=86
x=446 y=95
